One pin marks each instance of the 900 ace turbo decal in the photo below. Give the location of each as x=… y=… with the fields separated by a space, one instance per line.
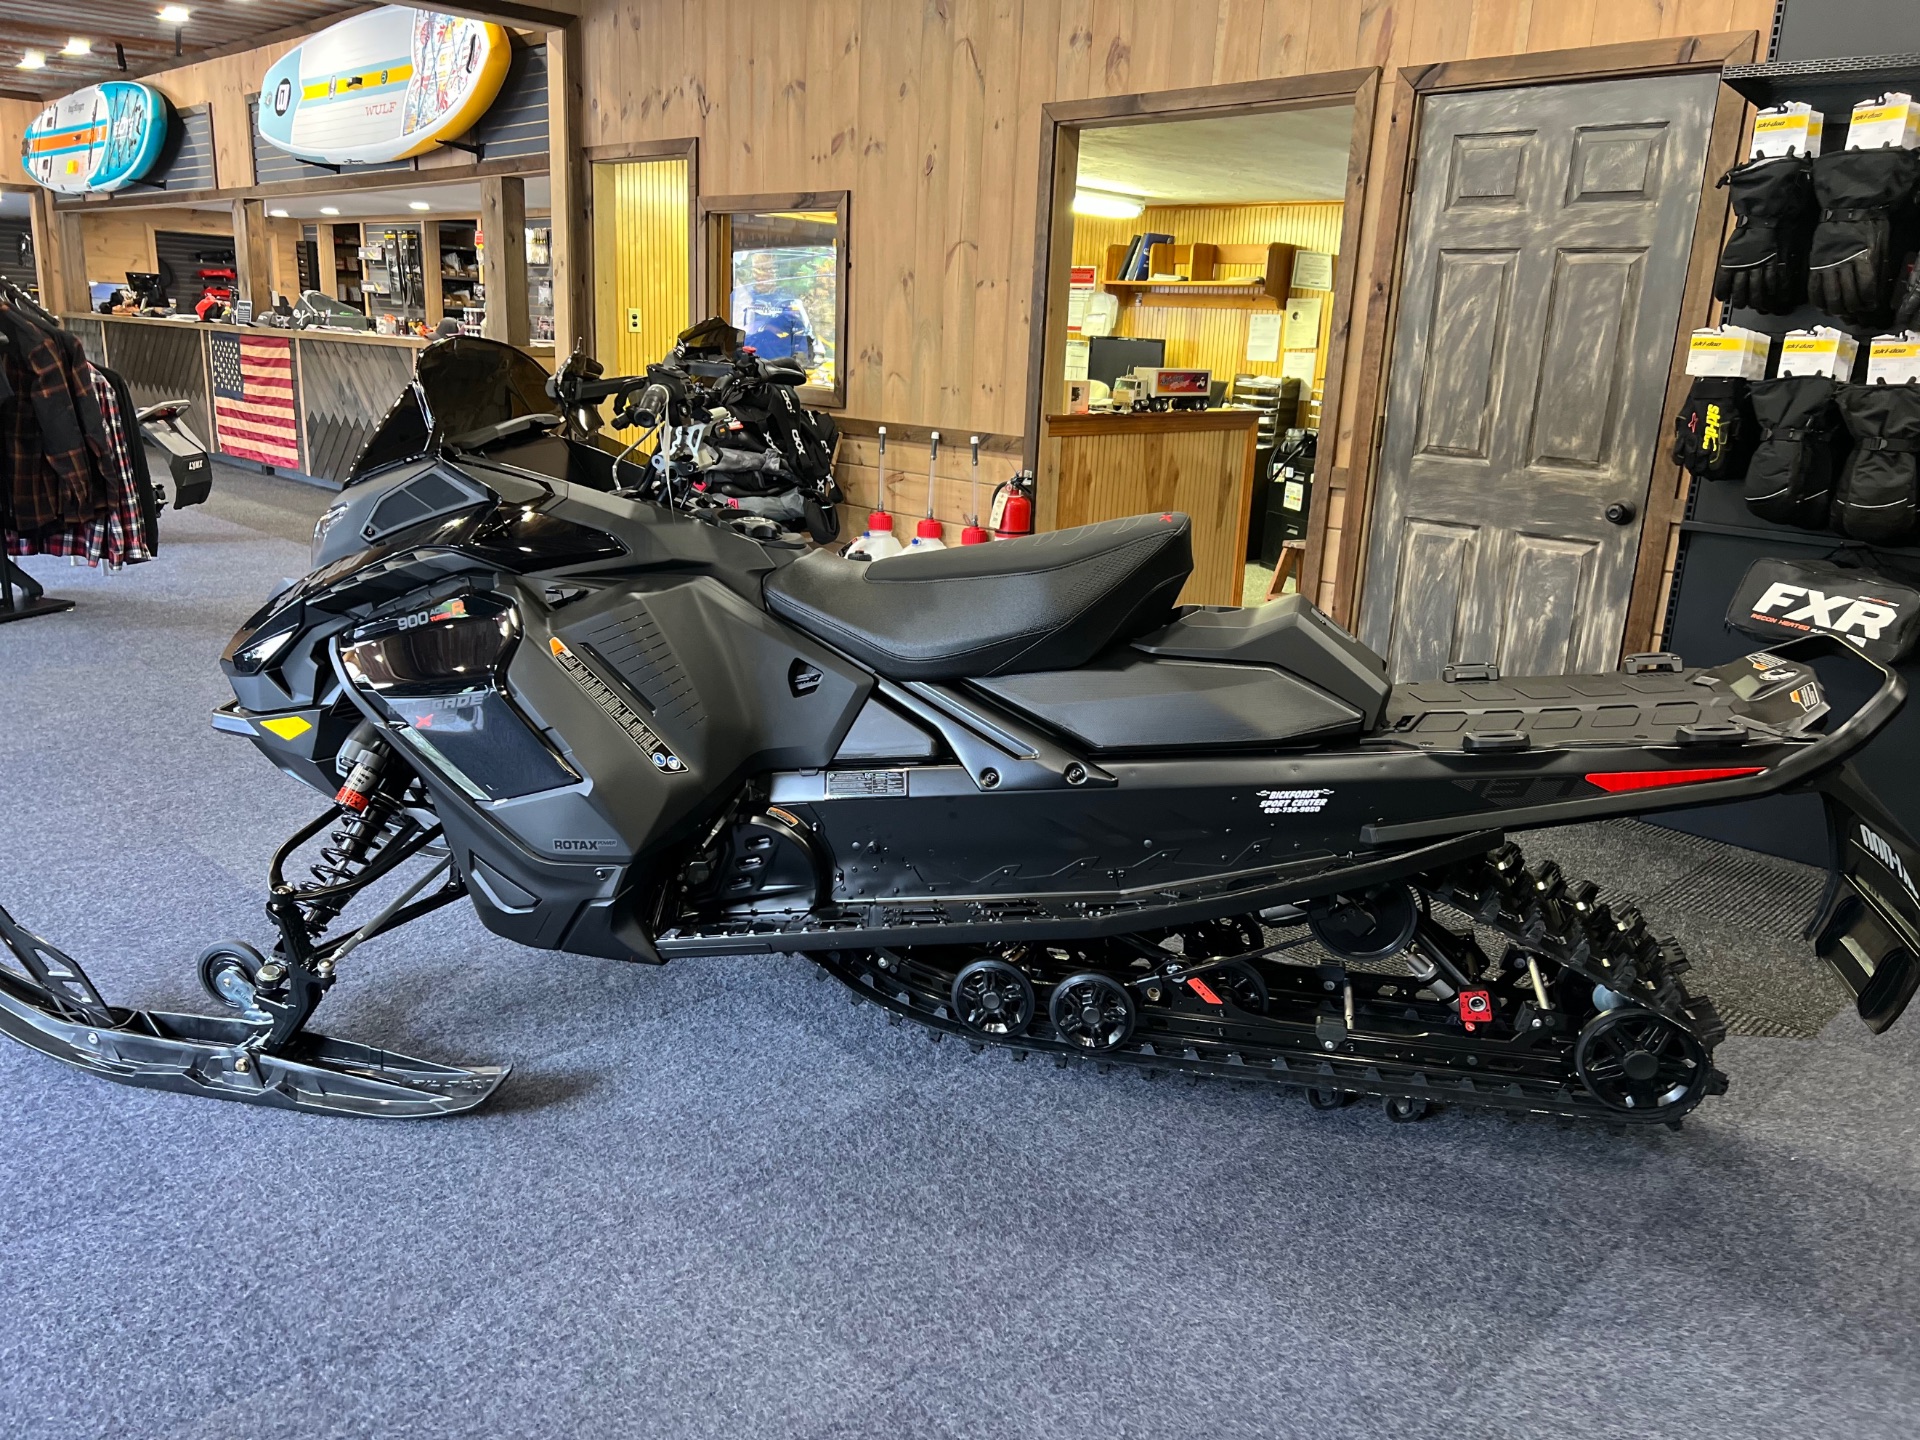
x=617 y=709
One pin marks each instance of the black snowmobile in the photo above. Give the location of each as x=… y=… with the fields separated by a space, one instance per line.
x=1013 y=793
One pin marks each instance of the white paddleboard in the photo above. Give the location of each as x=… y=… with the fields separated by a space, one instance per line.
x=387 y=85
x=104 y=137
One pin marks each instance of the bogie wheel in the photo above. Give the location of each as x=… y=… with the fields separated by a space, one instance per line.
x=1404 y=1111
x=1329 y=1099
x=1237 y=983
x=1635 y=1061
x=1091 y=1011
x=992 y=997
x=227 y=974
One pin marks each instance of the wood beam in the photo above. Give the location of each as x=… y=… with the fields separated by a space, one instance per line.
x=60 y=257
x=571 y=236
x=503 y=267
x=529 y=14
x=253 y=254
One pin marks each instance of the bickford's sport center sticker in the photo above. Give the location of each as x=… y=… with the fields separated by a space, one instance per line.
x=623 y=715
x=1293 y=802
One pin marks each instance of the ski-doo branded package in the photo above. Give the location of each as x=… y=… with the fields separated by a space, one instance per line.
x=1878 y=497
x=1764 y=264
x=1866 y=199
x=1714 y=433
x=1784 y=599
x=1801 y=442
x=1014 y=793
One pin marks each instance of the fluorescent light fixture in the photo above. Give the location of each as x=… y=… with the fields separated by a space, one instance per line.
x=329 y=209
x=418 y=205
x=1104 y=205
x=176 y=14
x=77 y=46
x=32 y=60
x=278 y=214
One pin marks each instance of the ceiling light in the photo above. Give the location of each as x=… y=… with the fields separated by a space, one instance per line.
x=278 y=214
x=32 y=60
x=1105 y=206
x=418 y=205
x=176 y=14
x=329 y=209
x=77 y=46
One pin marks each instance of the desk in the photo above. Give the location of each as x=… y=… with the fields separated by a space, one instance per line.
x=1200 y=462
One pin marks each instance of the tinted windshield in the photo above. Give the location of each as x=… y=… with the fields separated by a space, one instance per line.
x=459 y=384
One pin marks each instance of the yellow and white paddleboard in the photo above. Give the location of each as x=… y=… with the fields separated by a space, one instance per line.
x=387 y=85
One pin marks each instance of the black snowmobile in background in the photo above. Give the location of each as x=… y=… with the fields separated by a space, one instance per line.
x=1014 y=793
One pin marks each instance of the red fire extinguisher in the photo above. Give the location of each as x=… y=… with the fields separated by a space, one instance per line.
x=1013 y=507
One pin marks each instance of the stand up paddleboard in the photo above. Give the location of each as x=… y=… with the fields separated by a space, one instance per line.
x=104 y=137
x=387 y=85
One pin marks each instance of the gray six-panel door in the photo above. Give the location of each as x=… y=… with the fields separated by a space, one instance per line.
x=1540 y=290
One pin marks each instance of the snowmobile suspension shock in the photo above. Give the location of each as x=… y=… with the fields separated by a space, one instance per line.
x=366 y=829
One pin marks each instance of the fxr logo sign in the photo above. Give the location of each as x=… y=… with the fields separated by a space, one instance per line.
x=1878 y=847
x=1860 y=620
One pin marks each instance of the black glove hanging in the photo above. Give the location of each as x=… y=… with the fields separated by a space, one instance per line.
x=1855 y=261
x=1802 y=442
x=1906 y=302
x=1714 y=432
x=1764 y=265
x=1879 y=492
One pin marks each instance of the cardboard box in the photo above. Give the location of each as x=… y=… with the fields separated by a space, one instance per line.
x=1793 y=129
x=1730 y=350
x=1891 y=119
x=1819 y=351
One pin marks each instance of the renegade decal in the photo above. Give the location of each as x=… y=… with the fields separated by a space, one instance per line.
x=604 y=695
x=1292 y=802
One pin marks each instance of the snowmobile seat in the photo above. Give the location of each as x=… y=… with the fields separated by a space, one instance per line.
x=1040 y=602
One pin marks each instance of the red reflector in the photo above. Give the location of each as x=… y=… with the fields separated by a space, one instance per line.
x=1204 y=991
x=1614 y=782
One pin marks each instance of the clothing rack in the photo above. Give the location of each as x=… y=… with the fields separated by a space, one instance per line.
x=34 y=599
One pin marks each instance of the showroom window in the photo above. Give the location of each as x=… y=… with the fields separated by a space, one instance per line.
x=778 y=272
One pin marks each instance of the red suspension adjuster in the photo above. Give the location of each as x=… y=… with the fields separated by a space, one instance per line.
x=1476 y=1007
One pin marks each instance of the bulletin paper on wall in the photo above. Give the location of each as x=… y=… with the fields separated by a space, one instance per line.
x=1263 y=336
x=1303 y=324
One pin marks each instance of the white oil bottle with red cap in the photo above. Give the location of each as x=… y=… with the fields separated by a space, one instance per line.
x=928 y=534
x=878 y=542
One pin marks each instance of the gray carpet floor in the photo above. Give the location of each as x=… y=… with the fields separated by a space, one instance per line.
x=715 y=1200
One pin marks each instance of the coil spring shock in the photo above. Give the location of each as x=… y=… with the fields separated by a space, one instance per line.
x=366 y=829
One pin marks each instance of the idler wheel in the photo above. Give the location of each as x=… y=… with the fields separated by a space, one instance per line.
x=991 y=997
x=1367 y=925
x=229 y=973
x=1238 y=983
x=1327 y=1098
x=1403 y=1110
x=1635 y=1061
x=1091 y=1011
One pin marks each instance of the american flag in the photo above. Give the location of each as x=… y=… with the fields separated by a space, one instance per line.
x=253 y=414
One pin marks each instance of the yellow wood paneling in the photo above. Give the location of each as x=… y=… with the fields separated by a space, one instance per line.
x=1216 y=339
x=640 y=260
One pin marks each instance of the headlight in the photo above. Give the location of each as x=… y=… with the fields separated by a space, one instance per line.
x=260 y=653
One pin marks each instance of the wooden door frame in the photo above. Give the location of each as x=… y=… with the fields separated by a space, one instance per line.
x=1690 y=54
x=687 y=149
x=1060 y=125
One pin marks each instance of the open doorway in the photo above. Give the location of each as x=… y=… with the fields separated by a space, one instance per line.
x=1197 y=289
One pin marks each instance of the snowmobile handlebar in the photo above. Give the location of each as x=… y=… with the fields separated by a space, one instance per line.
x=1806 y=765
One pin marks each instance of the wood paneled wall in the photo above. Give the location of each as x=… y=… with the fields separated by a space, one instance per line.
x=641 y=241
x=1216 y=339
x=119 y=241
x=928 y=111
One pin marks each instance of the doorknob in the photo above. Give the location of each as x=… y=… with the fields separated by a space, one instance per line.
x=1620 y=513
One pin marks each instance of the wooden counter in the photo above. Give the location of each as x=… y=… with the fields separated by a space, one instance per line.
x=1200 y=462
x=343 y=383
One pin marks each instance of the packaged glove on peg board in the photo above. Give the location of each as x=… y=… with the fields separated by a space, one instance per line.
x=1729 y=350
x=1790 y=129
x=1819 y=351
x=1801 y=445
x=1764 y=263
x=1878 y=496
x=1893 y=360
x=1886 y=120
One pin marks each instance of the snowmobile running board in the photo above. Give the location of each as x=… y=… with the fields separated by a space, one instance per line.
x=55 y=1009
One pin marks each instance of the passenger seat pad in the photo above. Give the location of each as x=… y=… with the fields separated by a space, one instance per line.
x=1040 y=602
